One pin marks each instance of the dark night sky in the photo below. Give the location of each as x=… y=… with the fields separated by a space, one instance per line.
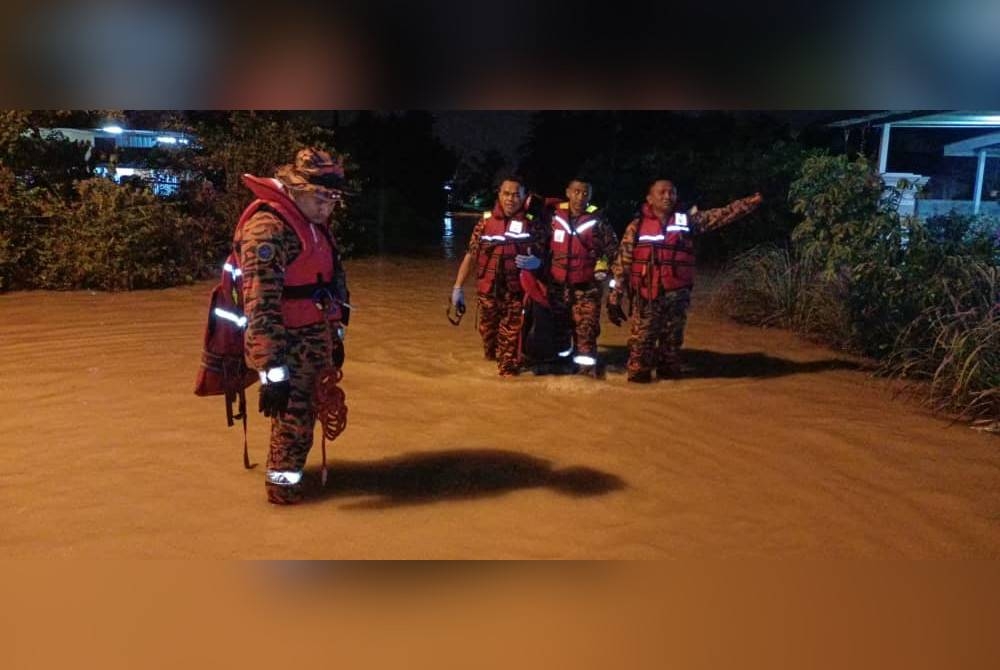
x=471 y=131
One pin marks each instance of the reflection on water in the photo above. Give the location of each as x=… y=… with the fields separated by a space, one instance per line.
x=457 y=226
x=448 y=238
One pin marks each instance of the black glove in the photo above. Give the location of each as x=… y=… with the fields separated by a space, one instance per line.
x=616 y=314
x=274 y=397
x=337 y=357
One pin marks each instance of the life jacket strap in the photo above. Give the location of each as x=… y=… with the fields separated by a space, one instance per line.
x=306 y=291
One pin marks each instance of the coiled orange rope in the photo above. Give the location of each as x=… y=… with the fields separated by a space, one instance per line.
x=331 y=408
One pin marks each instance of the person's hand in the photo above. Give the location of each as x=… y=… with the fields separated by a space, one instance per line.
x=457 y=296
x=528 y=262
x=337 y=353
x=616 y=314
x=756 y=199
x=274 y=398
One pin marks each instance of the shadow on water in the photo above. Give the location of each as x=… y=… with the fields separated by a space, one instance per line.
x=704 y=364
x=461 y=474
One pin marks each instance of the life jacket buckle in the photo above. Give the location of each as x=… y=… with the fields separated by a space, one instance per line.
x=323 y=299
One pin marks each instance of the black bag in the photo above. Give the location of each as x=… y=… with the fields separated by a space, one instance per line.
x=540 y=341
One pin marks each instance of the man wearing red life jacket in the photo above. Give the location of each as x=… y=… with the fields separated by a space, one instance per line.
x=581 y=244
x=505 y=241
x=295 y=301
x=655 y=265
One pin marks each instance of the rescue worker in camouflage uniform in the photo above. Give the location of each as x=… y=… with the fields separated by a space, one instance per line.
x=505 y=241
x=295 y=301
x=581 y=246
x=655 y=265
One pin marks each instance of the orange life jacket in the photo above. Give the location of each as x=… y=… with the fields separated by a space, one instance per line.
x=663 y=257
x=309 y=278
x=572 y=246
x=502 y=239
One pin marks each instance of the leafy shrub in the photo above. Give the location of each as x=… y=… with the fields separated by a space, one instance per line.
x=25 y=217
x=115 y=238
x=920 y=296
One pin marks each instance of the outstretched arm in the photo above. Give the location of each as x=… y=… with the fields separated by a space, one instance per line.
x=719 y=217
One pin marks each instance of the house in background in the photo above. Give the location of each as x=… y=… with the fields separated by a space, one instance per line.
x=107 y=145
x=941 y=162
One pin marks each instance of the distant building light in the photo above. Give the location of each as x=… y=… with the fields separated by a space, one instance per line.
x=126 y=172
x=166 y=140
x=114 y=130
x=183 y=141
x=447 y=187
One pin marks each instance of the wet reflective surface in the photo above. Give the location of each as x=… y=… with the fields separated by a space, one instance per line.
x=455 y=230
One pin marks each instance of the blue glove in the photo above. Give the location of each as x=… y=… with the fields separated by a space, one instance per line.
x=457 y=297
x=528 y=262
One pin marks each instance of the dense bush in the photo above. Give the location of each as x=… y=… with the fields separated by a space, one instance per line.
x=25 y=217
x=60 y=229
x=116 y=238
x=922 y=297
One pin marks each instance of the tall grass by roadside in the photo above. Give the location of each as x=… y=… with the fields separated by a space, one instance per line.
x=952 y=350
x=769 y=286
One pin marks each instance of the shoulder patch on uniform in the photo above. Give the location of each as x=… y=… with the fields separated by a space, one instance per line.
x=591 y=209
x=563 y=205
x=486 y=215
x=265 y=252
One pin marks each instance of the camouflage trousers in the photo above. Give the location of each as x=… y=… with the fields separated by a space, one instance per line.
x=657 y=334
x=578 y=311
x=500 y=320
x=309 y=351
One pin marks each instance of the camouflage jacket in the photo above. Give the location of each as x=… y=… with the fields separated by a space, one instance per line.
x=266 y=245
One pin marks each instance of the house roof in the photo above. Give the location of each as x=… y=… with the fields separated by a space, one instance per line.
x=925 y=119
x=990 y=143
